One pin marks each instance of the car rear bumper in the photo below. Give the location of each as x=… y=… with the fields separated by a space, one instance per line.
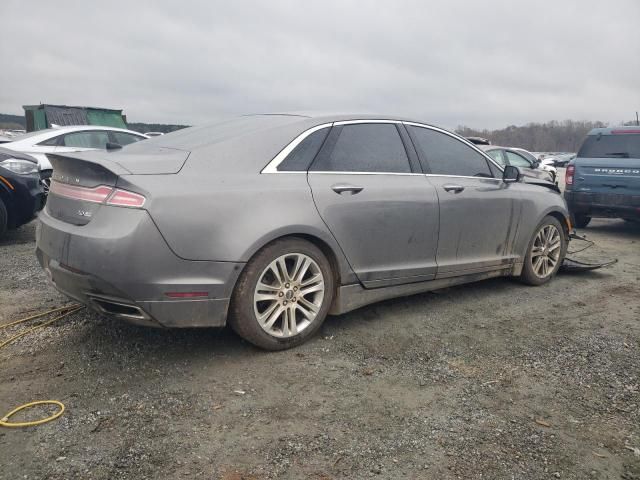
x=119 y=265
x=608 y=205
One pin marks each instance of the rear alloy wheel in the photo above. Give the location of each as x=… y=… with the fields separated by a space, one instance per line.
x=546 y=252
x=283 y=295
x=581 y=221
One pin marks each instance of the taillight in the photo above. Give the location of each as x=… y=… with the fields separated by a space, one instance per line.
x=123 y=198
x=100 y=194
x=571 y=170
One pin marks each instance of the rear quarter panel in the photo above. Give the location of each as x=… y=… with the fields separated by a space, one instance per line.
x=205 y=216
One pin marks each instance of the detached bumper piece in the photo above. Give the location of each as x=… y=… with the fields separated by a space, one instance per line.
x=573 y=265
x=570 y=265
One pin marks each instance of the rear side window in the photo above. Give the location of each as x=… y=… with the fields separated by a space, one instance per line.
x=366 y=147
x=96 y=139
x=624 y=145
x=449 y=156
x=51 y=142
x=122 y=138
x=301 y=157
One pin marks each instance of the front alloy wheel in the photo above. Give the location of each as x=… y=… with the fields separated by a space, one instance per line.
x=545 y=253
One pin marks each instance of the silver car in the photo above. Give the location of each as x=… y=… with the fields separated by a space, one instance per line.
x=271 y=222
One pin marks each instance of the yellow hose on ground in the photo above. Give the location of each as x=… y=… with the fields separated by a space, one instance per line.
x=4 y=421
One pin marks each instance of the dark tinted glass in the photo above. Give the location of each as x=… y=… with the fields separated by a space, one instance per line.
x=626 y=145
x=301 y=157
x=367 y=147
x=448 y=156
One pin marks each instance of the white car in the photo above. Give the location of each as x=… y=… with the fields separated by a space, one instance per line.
x=70 y=139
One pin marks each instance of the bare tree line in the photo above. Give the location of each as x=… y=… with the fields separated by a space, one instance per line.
x=553 y=136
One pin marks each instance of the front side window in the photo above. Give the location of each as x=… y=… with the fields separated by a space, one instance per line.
x=364 y=147
x=122 y=138
x=95 y=139
x=447 y=155
x=517 y=160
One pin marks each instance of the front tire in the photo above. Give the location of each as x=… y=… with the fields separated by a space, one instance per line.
x=283 y=295
x=545 y=252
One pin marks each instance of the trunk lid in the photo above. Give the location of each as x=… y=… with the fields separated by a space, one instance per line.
x=81 y=179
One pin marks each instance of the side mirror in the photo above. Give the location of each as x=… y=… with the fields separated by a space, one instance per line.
x=536 y=164
x=511 y=174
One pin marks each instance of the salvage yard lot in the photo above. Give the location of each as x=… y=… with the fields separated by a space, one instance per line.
x=491 y=380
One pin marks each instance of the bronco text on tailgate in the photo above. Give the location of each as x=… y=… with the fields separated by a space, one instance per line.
x=604 y=179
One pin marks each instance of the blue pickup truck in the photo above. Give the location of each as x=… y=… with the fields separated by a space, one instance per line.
x=604 y=178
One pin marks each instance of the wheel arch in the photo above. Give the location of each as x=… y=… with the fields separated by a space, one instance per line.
x=563 y=218
x=342 y=271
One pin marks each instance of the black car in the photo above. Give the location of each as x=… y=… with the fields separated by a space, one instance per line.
x=22 y=190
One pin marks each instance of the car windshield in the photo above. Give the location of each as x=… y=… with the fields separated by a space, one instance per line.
x=611 y=146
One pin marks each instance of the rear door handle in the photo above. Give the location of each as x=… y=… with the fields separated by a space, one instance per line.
x=342 y=188
x=453 y=188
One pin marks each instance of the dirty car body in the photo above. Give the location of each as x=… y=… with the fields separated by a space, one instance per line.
x=160 y=231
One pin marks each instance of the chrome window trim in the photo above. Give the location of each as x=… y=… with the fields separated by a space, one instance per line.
x=353 y=122
x=272 y=166
x=460 y=139
x=324 y=172
x=462 y=176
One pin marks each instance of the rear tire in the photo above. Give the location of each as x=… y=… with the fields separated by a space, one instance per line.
x=4 y=218
x=581 y=221
x=283 y=295
x=545 y=252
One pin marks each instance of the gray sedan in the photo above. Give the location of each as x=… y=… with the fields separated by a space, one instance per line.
x=271 y=222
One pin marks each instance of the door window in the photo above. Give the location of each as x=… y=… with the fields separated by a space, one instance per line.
x=365 y=147
x=517 y=160
x=95 y=139
x=446 y=155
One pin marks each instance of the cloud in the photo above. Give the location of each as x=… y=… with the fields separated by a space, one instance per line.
x=483 y=64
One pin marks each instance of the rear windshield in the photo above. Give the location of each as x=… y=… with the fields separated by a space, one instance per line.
x=611 y=146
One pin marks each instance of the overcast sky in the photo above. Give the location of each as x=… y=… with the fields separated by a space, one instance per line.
x=484 y=64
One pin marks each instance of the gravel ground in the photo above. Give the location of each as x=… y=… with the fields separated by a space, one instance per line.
x=492 y=380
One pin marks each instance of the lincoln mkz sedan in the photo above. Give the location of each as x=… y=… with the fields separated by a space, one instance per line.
x=271 y=222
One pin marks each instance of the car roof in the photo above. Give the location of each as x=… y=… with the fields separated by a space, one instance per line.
x=614 y=130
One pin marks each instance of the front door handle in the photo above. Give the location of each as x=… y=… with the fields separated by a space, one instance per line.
x=342 y=188
x=453 y=188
